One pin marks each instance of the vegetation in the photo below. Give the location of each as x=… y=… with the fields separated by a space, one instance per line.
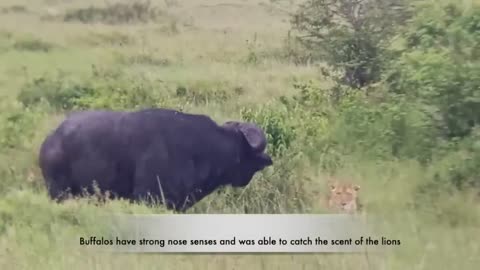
x=385 y=93
x=115 y=13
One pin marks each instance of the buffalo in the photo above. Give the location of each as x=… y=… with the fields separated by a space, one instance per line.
x=150 y=155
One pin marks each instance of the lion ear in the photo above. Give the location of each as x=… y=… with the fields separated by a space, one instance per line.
x=332 y=185
x=331 y=182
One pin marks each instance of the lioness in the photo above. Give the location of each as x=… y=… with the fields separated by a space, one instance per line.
x=343 y=197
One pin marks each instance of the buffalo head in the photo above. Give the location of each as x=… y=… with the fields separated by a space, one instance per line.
x=252 y=157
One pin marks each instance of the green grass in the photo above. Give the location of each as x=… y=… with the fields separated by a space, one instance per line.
x=202 y=46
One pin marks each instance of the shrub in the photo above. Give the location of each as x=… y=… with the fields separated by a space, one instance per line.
x=299 y=125
x=102 y=89
x=60 y=92
x=14 y=9
x=114 y=38
x=143 y=59
x=120 y=94
x=5 y=40
x=274 y=120
x=32 y=44
x=389 y=129
x=204 y=91
x=17 y=126
x=350 y=36
x=325 y=125
x=117 y=13
x=460 y=167
x=440 y=66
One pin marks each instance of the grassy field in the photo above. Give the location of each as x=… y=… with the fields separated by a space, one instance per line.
x=226 y=55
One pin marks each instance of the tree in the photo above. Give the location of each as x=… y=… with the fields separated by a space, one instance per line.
x=351 y=36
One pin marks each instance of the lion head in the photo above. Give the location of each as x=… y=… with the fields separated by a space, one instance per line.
x=343 y=197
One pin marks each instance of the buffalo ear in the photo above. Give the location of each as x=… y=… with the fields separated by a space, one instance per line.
x=254 y=135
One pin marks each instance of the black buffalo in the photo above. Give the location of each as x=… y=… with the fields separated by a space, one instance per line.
x=150 y=155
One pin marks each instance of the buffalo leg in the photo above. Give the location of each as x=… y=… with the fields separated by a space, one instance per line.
x=58 y=190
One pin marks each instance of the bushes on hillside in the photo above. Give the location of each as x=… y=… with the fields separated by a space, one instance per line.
x=440 y=66
x=33 y=44
x=110 y=89
x=58 y=90
x=428 y=82
x=17 y=126
x=117 y=13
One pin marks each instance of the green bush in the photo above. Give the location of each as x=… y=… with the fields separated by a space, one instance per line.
x=321 y=124
x=14 y=9
x=274 y=119
x=113 y=89
x=440 y=66
x=113 y=38
x=460 y=167
x=100 y=90
x=351 y=43
x=32 y=44
x=117 y=13
x=120 y=93
x=436 y=70
x=395 y=128
x=58 y=90
x=300 y=124
x=143 y=59
x=205 y=91
x=429 y=101
x=17 y=126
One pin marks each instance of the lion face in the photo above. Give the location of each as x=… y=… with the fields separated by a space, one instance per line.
x=343 y=197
